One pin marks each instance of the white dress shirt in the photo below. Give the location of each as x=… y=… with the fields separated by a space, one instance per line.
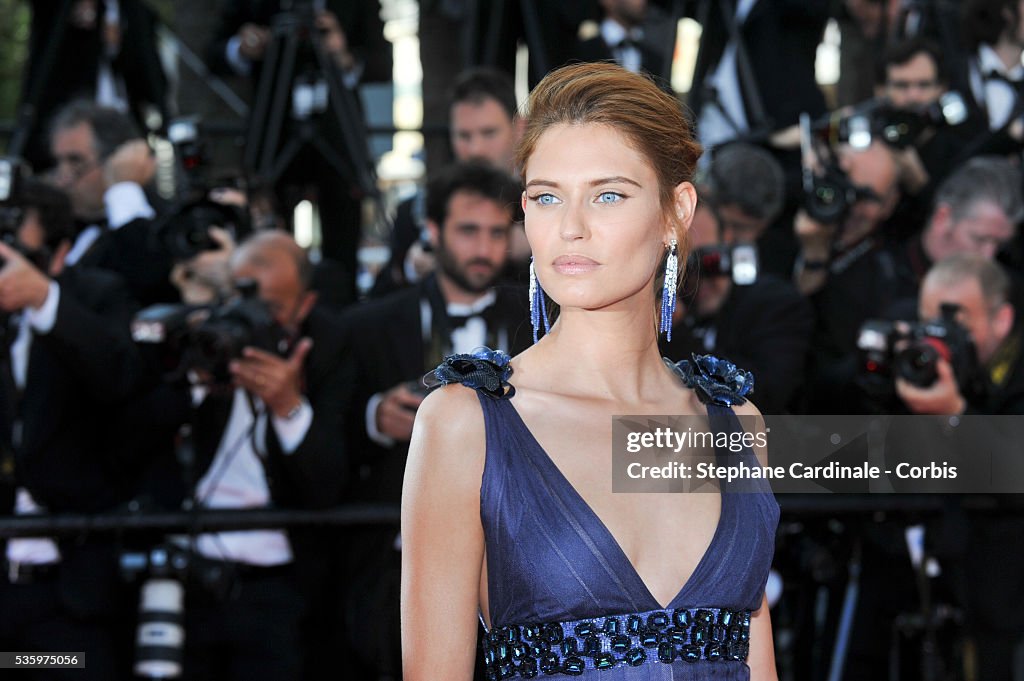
x=124 y=202
x=236 y=479
x=717 y=126
x=993 y=92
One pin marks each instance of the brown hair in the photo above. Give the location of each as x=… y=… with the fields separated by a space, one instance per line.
x=651 y=119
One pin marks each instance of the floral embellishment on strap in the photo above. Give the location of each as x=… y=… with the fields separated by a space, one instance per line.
x=715 y=380
x=484 y=369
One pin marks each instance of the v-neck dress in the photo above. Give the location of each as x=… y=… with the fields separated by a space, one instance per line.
x=563 y=596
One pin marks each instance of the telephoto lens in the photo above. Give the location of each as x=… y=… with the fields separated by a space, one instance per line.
x=160 y=642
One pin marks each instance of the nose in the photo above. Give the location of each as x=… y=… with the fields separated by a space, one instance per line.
x=475 y=146
x=574 y=222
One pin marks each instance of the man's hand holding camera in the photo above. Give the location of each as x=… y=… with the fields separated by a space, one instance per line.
x=21 y=284
x=277 y=381
x=941 y=397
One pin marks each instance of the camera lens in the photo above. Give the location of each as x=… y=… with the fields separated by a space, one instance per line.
x=161 y=635
x=918 y=364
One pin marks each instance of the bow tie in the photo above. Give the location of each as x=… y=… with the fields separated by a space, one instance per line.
x=457 y=321
x=1001 y=76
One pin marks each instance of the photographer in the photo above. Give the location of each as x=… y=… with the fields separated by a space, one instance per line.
x=912 y=79
x=749 y=189
x=975 y=210
x=103 y=164
x=839 y=270
x=991 y=559
x=982 y=291
x=269 y=432
x=765 y=323
x=351 y=35
x=69 y=366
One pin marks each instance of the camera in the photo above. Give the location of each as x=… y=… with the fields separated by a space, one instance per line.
x=206 y=339
x=828 y=197
x=897 y=127
x=160 y=638
x=911 y=351
x=184 y=230
x=828 y=192
x=722 y=260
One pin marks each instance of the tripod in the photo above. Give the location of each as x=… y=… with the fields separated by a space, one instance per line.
x=325 y=115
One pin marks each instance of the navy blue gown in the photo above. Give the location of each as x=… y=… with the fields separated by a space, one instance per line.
x=564 y=598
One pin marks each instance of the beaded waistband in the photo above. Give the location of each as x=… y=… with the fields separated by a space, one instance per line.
x=603 y=643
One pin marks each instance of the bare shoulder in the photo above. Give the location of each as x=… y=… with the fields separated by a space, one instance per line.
x=449 y=430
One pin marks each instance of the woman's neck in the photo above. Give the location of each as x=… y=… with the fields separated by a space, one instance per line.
x=615 y=352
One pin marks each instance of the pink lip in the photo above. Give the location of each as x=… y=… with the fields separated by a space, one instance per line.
x=574 y=264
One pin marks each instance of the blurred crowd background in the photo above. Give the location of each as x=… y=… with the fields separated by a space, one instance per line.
x=235 y=235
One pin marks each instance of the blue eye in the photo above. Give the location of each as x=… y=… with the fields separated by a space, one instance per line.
x=545 y=199
x=609 y=197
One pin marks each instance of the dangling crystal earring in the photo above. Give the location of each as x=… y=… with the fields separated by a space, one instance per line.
x=538 y=309
x=668 y=290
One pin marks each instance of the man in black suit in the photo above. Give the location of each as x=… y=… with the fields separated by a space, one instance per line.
x=352 y=35
x=396 y=340
x=273 y=435
x=68 y=364
x=762 y=77
x=621 y=39
x=103 y=163
x=106 y=52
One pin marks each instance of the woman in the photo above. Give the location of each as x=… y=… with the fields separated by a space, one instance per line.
x=508 y=512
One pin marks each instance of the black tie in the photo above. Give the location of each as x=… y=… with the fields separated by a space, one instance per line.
x=1001 y=76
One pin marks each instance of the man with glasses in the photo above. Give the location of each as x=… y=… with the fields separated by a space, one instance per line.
x=103 y=163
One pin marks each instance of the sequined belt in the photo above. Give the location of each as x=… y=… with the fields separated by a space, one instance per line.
x=658 y=636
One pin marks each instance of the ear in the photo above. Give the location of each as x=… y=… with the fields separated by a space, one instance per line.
x=684 y=204
x=59 y=256
x=942 y=220
x=306 y=306
x=1002 y=324
x=435 y=233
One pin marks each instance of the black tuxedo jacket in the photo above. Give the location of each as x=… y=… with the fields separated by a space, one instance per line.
x=77 y=376
x=133 y=253
x=781 y=39
x=77 y=63
x=70 y=459
x=388 y=348
x=596 y=49
x=360 y=19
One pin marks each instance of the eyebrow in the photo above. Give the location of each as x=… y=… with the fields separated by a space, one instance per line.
x=593 y=183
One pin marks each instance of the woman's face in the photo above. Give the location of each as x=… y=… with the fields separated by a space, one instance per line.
x=594 y=219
